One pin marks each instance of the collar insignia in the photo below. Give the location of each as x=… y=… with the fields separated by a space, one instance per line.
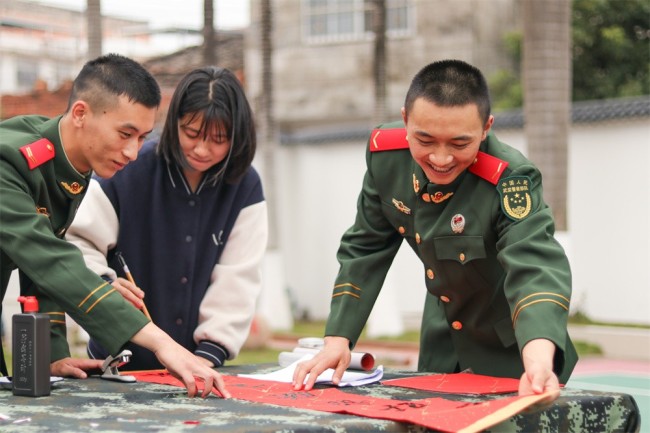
x=416 y=184
x=73 y=188
x=42 y=211
x=439 y=197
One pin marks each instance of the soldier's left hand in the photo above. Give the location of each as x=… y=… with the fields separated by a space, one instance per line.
x=74 y=367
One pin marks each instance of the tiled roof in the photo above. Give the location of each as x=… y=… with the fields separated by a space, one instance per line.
x=586 y=112
x=583 y=112
x=170 y=68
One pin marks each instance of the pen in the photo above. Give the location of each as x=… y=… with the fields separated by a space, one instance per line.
x=120 y=258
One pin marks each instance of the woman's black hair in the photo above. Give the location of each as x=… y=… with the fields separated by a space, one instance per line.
x=217 y=95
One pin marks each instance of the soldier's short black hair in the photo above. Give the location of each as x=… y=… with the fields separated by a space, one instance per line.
x=217 y=95
x=450 y=83
x=105 y=78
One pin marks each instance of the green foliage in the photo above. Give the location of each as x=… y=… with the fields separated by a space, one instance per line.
x=506 y=90
x=611 y=54
x=611 y=48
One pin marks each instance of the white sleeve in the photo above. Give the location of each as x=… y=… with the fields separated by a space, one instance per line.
x=228 y=307
x=94 y=229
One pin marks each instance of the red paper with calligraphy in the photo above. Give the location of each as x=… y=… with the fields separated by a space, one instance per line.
x=434 y=413
x=458 y=383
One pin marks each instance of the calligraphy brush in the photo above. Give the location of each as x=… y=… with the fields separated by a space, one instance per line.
x=120 y=259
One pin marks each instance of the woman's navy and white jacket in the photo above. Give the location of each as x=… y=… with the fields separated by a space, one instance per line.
x=197 y=256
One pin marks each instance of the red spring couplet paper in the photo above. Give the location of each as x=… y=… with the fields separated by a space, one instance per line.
x=458 y=383
x=434 y=413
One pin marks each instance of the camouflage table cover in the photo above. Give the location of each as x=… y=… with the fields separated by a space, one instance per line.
x=99 y=405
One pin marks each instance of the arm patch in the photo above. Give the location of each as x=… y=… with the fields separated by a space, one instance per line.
x=516 y=201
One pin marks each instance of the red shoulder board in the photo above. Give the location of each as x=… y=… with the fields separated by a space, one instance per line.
x=38 y=152
x=488 y=167
x=388 y=139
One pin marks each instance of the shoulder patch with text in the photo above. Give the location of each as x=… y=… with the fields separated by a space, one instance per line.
x=516 y=200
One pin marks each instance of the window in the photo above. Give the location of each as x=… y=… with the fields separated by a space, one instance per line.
x=26 y=74
x=335 y=20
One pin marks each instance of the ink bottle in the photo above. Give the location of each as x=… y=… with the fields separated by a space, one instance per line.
x=31 y=350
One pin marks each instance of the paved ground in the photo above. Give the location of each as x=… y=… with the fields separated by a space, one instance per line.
x=615 y=375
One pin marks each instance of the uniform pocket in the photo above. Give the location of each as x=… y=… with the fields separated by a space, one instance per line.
x=462 y=249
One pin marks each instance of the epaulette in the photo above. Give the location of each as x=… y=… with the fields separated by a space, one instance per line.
x=388 y=139
x=488 y=167
x=38 y=152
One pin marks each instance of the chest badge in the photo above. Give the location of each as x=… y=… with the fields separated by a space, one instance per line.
x=401 y=207
x=516 y=201
x=439 y=197
x=458 y=223
x=73 y=188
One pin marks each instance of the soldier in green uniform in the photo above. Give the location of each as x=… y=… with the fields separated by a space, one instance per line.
x=471 y=208
x=45 y=166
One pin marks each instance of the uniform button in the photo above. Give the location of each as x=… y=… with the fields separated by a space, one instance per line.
x=179 y=321
x=457 y=325
x=418 y=239
x=184 y=280
x=430 y=274
x=426 y=197
x=461 y=256
x=192 y=203
x=402 y=230
x=188 y=238
x=444 y=299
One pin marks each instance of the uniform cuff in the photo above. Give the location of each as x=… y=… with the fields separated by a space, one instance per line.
x=213 y=352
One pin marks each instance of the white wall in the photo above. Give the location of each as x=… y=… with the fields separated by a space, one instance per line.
x=609 y=219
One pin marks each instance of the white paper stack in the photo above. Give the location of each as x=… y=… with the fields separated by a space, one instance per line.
x=350 y=378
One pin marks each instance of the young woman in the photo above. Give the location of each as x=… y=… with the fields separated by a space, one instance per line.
x=189 y=218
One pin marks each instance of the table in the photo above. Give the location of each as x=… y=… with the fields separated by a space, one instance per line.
x=101 y=405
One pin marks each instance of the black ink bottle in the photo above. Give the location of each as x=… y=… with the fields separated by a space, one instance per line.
x=31 y=350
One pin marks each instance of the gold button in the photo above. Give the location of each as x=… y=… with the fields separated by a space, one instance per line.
x=430 y=274
x=426 y=197
x=444 y=299
x=402 y=230
x=462 y=257
x=418 y=239
x=457 y=325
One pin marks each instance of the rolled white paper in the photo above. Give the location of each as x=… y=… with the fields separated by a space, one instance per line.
x=359 y=360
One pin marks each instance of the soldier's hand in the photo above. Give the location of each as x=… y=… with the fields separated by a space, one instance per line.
x=75 y=367
x=538 y=376
x=335 y=354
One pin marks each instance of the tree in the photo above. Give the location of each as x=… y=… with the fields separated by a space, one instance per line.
x=546 y=66
x=209 y=41
x=94 y=23
x=611 y=48
x=610 y=53
x=269 y=147
x=379 y=59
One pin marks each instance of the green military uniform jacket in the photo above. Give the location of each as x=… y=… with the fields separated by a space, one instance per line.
x=40 y=192
x=495 y=275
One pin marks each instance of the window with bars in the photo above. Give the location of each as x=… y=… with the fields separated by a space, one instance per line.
x=336 y=20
